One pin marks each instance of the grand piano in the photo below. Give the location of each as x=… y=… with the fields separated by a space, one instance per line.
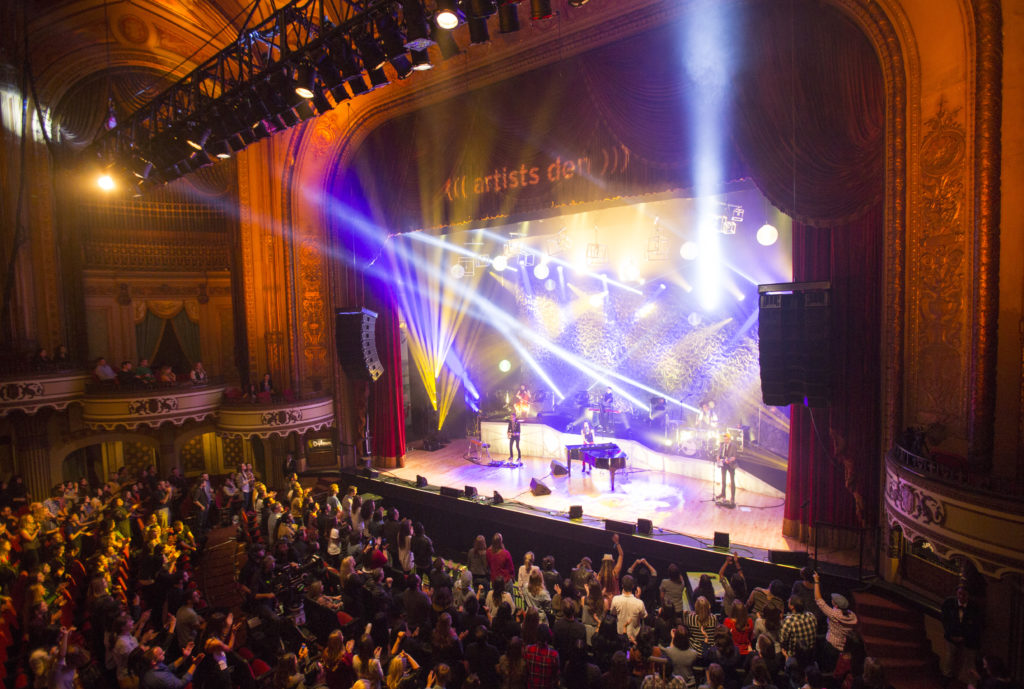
x=601 y=456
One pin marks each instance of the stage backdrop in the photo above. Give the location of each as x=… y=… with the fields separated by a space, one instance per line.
x=796 y=95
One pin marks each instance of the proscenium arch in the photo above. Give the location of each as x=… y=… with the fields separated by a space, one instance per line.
x=323 y=147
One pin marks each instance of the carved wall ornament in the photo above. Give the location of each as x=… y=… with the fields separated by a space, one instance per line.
x=941 y=265
x=915 y=503
x=281 y=417
x=152 y=405
x=15 y=392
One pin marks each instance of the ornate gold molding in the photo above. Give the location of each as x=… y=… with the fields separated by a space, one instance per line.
x=985 y=283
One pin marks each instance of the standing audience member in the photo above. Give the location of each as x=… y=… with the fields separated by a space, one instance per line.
x=841 y=621
x=961 y=628
x=499 y=560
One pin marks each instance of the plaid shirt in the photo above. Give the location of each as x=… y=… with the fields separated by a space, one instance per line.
x=796 y=627
x=541 y=666
x=840 y=624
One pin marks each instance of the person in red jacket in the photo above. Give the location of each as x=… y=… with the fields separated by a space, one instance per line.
x=499 y=560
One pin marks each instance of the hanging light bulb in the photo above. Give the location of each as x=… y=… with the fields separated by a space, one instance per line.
x=767 y=234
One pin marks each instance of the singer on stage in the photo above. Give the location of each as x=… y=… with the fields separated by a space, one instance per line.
x=514 y=431
x=607 y=406
x=727 y=460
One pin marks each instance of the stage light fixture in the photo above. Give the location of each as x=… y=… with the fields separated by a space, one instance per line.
x=504 y=365
x=541 y=9
x=541 y=271
x=320 y=102
x=417 y=32
x=304 y=110
x=378 y=78
x=421 y=60
x=688 y=251
x=478 y=33
x=391 y=37
x=508 y=16
x=500 y=263
x=106 y=182
x=549 y=285
x=198 y=137
x=457 y=271
x=403 y=67
x=304 y=78
x=330 y=76
x=448 y=14
x=482 y=8
x=369 y=50
x=445 y=43
x=767 y=235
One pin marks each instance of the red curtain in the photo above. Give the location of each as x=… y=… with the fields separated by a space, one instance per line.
x=386 y=405
x=834 y=452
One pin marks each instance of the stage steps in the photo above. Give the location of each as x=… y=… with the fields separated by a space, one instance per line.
x=894 y=634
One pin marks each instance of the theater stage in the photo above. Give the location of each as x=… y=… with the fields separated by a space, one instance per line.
x=675 y=493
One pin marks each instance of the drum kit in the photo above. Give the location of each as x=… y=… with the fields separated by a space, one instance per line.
x=694 y=442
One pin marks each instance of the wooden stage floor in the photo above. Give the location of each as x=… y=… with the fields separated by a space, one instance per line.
x=674 y=503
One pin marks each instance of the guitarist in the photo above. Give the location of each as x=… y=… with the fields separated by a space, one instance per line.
x=727 y=460
x=514 y=432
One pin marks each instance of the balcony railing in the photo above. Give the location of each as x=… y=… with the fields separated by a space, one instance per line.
x=32 y=390
x=133 y=404
x=955 y=510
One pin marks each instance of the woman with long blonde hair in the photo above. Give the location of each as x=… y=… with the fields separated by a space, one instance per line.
x=611 y=567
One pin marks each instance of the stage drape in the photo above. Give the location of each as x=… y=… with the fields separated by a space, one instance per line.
x=388 y=413
x=834 y=457
x=809 y=116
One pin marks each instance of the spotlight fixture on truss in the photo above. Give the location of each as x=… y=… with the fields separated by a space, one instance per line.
x=657 y=243
x=597 y=253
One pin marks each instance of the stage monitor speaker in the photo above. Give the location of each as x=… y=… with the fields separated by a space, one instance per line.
x=619 y=527
x=575 y=511
x=451 y=492
x=794 y=331
x=471 y=492
x=538 y=487
x=497 y=499
x=796 y=558
x=558 y=469
x=355 y=335
x=369 y=472
x=421 y=481
x=721 y=539
x=645 y=526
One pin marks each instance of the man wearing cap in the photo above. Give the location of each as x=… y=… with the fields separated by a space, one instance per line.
x=841 y=621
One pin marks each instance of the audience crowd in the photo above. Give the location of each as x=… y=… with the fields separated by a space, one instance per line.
x=99 y=589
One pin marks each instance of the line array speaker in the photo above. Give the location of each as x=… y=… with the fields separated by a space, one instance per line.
x=355 y=335
x=794 y=344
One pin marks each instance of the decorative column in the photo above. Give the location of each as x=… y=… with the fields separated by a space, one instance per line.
x=32 y=453
x=167 y=458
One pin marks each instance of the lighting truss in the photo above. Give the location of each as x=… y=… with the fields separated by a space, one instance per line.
x=246 y=91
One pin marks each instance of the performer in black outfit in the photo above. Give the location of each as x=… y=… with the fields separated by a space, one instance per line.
x=607 y=405
x=588 y=433
x=727 y=460
x=514 y=431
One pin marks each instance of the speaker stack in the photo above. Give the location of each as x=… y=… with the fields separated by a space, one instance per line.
x=794 y=326
x=355 y=335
